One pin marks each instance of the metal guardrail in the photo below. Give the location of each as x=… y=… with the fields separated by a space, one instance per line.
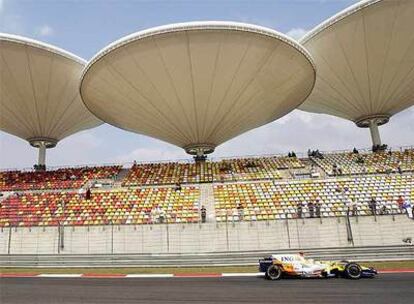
x=383 y=253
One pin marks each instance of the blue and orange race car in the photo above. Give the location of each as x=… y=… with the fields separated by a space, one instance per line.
x=278 y=266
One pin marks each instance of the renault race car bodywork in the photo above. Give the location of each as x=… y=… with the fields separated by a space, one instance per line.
x=295 y=265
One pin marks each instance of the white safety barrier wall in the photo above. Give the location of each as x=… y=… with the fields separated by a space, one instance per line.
x=208 y=237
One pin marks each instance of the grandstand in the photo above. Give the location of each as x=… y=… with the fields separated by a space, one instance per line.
x=120 y=206
x=366 y=163
x=243 y=189
x=66 y=178
x=201 y=172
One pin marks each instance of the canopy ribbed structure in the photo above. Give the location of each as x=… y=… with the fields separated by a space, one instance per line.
x=199 y=84
x=365 y=61
x=39 y=93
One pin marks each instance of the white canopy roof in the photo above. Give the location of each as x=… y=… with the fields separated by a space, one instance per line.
x=198 y=84
x=39 y=91
x=365 y=61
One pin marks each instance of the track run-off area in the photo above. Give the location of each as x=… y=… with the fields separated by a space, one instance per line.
x=386 y=288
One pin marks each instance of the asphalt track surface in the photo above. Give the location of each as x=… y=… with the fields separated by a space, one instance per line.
x=386 y=288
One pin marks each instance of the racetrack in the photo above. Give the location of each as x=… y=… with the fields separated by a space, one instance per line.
x=386 y=288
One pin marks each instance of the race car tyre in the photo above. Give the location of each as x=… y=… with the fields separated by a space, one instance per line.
x=273 y=273
x=353 y=271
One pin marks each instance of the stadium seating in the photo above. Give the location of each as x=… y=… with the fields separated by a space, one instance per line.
x=367 y=163
x=277 y=200
x=122 y=206
x=66 y=178
x=249 y=189
x=225 y=170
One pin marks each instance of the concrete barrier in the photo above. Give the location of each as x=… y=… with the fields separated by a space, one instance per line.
x=209 y=237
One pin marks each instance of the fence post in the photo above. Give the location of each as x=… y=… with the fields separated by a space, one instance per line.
x=62 y=227
x=10 y=238
x=58 y=240
x=287 y=229
x=227 y=233
x=297 y=231
x=112 y=237
x=168 y=237
x=349 y=230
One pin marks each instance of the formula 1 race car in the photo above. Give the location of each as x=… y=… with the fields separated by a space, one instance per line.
x=295 y=265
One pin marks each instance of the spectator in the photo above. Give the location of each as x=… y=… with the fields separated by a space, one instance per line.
x=299 y=210
x=88 y=194
x=178 y=187
x=408 y=208
x=203 y=214
x=161 y=216
x=318 y=208
x=351 y=207
x=154 y=215
x=311 y=208
x=335 y=169
x=400 y=202
x=240 y=211
x=339 y=169
x=305 y=208
x=357 y=207
x=384 y=205
x=373 y=206
x=399 y=167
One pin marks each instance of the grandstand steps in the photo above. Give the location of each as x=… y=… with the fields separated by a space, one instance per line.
x=5 y=195
x=207 y=199
x=120 y=177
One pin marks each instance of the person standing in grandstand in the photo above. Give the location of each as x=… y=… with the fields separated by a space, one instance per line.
x=240 y=211
x=373 y=206
x=351 y=206
x=399 y=167
x=299 y=210
x=408 y=208
x=311 y=207
x=88 y=194
x=318 y=208
x=400 y=202
x=203 y=214
x=161 y=215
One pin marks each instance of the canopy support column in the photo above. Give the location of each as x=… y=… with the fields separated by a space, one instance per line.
x=199 y=151
x=42 y=143
x=42 y=154
x=375 y=135
x=372 y=122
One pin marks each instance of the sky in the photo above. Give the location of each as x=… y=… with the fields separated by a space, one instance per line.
x=83 y=27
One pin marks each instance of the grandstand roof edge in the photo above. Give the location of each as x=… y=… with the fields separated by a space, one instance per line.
x=42 y=45
x=336 y=18
x=196 y=25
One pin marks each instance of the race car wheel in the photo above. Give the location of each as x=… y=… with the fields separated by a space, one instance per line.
x=273 y=273
x=353 y=271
